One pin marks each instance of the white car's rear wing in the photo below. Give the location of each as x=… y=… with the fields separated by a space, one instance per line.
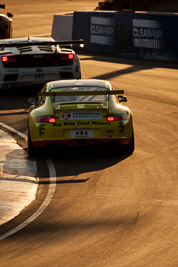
x=30 y=42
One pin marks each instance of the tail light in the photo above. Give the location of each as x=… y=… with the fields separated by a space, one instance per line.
x=121 y=117
x=67 y=56
x=113 y=118
x=45 y=119
x=8 y=58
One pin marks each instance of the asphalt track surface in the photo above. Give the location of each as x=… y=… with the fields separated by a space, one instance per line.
x=107 y=209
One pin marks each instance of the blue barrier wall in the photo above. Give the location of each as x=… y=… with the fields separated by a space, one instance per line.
x=128 y=34
x=96 y=28
x=146 y=36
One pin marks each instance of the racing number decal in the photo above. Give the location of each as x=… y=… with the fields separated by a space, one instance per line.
x=39 y=76
x=82 y=133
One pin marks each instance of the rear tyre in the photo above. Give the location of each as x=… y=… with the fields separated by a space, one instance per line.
x=131 y=146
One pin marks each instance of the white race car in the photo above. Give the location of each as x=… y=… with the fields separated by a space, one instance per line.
x=33 y=61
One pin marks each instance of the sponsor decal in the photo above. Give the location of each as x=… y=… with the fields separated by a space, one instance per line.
x=69 y=124
x=121 y=127
x=81 y=115
x=66 y=115
x=102 y=30
x=100 y=123
x=56 y=90
x=81 y=123
x=57 y=124
x=41 y=128
x=147 y=33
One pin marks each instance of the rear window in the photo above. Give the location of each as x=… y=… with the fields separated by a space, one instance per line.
x=83 y=98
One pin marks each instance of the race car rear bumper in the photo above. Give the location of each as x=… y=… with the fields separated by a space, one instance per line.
x=74 y=142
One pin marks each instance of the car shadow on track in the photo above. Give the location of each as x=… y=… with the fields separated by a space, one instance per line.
x=73 y=162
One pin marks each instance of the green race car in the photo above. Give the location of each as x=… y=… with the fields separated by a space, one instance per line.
x=78 y=113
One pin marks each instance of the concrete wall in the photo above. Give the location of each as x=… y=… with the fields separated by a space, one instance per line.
x=126 y=34
x=62 y=27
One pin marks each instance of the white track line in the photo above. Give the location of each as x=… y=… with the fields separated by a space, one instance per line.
x=13 y=130
x=46 y=202
x=42 y=34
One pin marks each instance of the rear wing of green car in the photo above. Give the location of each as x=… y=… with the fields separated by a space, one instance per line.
x=81 y=93
x=57 y=92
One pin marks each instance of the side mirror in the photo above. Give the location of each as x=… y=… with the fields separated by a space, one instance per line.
x=123 y=99
x=33 y=101
x=10 y=15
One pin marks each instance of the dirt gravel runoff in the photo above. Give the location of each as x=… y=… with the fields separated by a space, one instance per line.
x=34 y=17
x=140 y=5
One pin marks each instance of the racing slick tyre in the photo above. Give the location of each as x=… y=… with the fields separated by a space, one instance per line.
x=32 y=151
x=127 y=149
x=131 y=146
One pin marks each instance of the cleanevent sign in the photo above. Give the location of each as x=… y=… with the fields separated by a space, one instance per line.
x=97 y=30
x=129 y=34
x=146 y=36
